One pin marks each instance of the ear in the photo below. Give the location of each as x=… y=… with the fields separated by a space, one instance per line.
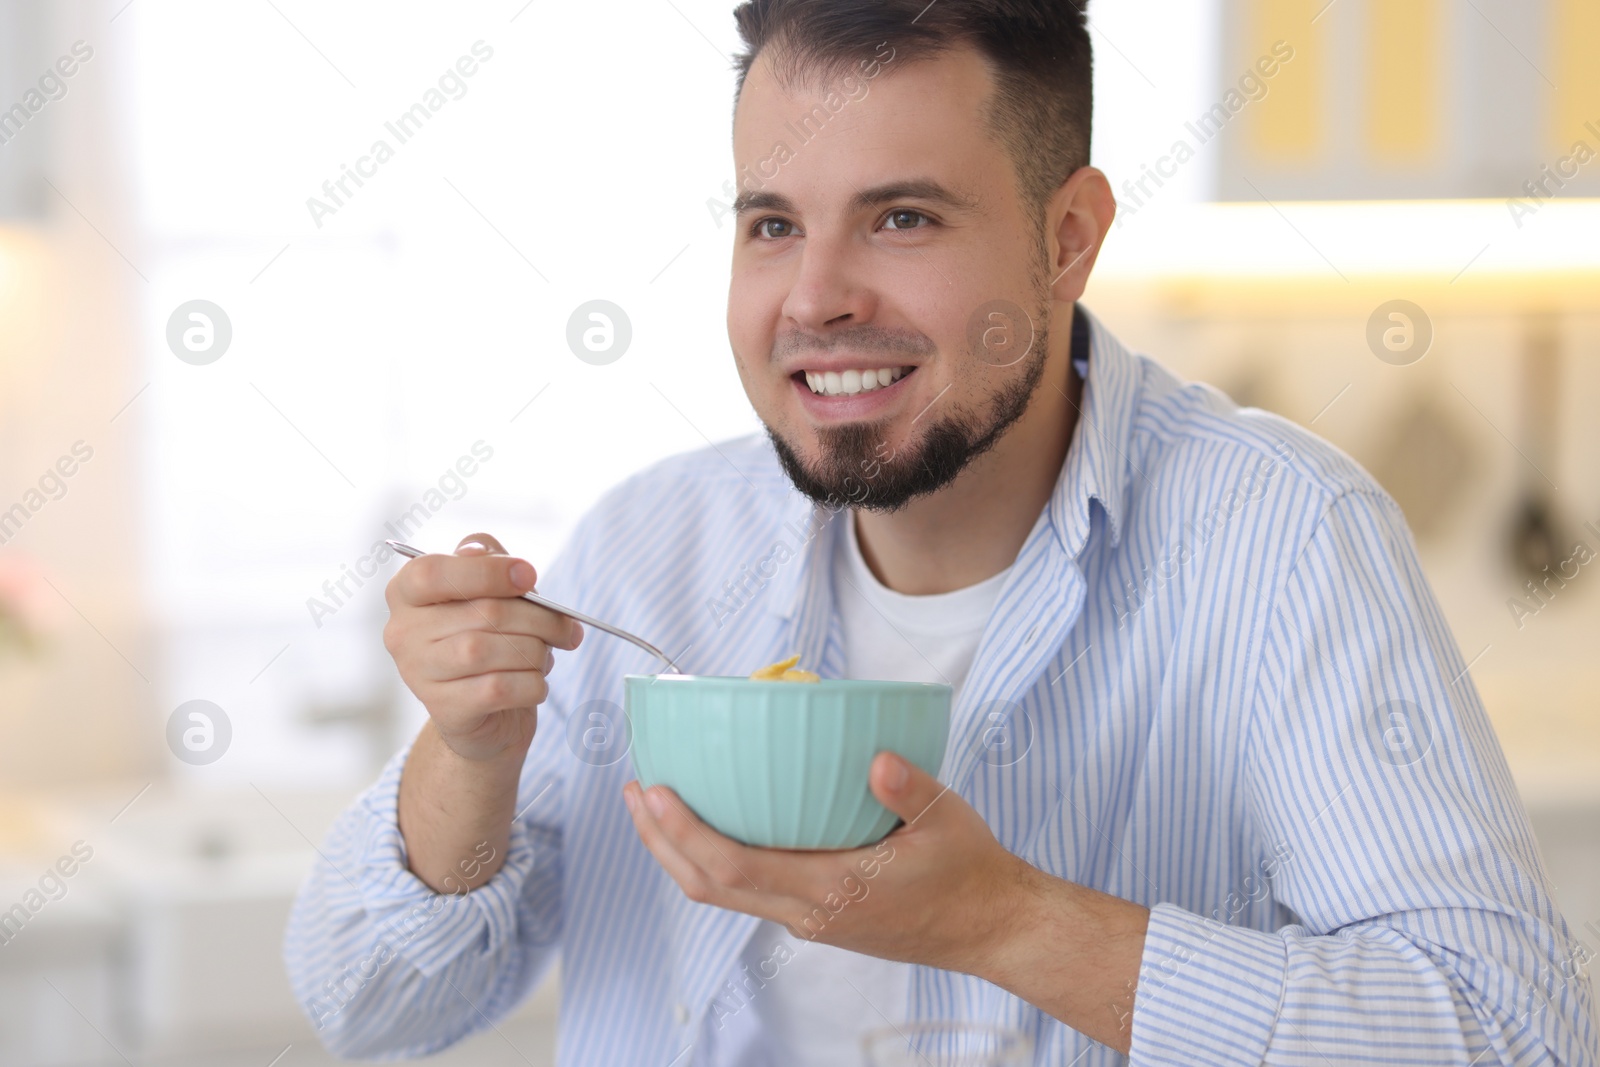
x=1083 y=208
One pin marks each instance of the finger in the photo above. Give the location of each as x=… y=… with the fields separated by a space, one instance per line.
x=799 y=873
x=508 y=615
x=904 y=788
x=439 y=579
x=758 y=881
x=696 y=884
x=480 y=544
x=474 y=652
x=484 y=693
x=728 y=863
x=793 y=884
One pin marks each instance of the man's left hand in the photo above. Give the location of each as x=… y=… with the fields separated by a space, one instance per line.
x=939 y=890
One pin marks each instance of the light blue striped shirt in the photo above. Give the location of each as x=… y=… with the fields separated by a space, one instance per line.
x=1226 y=692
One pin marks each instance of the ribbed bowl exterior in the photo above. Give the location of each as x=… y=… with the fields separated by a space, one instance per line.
x=782 y=764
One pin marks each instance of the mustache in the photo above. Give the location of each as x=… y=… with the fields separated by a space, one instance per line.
x=864 y=338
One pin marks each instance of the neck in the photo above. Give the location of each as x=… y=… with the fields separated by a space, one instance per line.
x=974 y=527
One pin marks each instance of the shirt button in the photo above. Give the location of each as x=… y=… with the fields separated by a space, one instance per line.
x=680 y=1012
x=1033 y=633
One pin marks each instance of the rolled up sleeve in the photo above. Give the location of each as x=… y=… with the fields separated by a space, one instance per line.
x=426 y=928
x=383 y=966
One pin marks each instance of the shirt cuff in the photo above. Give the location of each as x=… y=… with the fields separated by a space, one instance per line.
x=431 y=929
x=1208 y=992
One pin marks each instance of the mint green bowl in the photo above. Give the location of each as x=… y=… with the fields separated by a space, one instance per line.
x=782 y=764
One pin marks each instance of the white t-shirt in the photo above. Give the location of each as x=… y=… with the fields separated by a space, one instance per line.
x=821 y=999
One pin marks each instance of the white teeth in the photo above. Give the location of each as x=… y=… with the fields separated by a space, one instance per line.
x=850 y=382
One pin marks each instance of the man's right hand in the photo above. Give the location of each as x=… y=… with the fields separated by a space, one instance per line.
x=476 y=654
x=472 y=650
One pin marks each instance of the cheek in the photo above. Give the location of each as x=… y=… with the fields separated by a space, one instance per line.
x=750 y=354
x=749 y=311
x=754 y=311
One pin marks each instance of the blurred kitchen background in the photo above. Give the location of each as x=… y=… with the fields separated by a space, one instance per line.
x=1393 y=238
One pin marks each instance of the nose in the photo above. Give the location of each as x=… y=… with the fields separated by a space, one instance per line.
x=828 y=287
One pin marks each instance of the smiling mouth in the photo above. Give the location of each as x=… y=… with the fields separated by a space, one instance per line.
x=850 y=382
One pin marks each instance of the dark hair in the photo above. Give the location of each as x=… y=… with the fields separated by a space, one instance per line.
x=1037 y=50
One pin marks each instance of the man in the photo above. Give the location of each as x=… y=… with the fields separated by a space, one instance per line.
x=1218 y=787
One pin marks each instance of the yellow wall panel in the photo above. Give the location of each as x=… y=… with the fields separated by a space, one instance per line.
x=1575 y=46
x=1288 y=125
x=1402 y=97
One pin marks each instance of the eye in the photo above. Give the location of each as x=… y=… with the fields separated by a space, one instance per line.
x=756 y=229
x=903 y=213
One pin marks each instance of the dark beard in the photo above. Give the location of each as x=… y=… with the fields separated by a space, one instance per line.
x=858 y=470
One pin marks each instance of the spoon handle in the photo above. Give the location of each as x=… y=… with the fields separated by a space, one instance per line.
x=559 y=609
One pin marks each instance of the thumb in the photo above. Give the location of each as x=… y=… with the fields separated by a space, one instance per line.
x=902 y=786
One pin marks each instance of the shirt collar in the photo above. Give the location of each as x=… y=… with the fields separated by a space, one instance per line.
x=1097 y=467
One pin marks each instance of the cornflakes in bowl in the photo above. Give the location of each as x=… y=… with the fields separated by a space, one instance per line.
x=785 y=671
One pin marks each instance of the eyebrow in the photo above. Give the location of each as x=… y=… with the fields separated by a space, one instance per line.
x=911 y=189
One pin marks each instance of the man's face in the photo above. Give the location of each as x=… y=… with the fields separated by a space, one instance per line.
x=863 y=310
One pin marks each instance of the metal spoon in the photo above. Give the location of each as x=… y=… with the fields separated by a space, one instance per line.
x=587 y=620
